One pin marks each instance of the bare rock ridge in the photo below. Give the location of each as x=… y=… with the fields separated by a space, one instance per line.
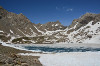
x=51 y=26
x=17 y=28
x=15 y=24
x=18 y=25
x=84 y=20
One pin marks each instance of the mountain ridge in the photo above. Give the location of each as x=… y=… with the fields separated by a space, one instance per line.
x=17 y=28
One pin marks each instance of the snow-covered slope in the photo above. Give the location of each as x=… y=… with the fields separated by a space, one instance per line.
x=86 y=34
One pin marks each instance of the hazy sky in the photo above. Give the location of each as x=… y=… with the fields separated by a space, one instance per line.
x=42 y=11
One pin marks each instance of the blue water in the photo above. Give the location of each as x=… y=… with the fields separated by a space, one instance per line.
x=48 y=49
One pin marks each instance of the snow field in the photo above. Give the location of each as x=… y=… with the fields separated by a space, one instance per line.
x=69 y=59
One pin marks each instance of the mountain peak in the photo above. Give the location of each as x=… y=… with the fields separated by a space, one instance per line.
x=21 y=14
x=58 y=21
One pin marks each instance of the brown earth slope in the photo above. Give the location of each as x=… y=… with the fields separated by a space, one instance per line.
x=9 y=57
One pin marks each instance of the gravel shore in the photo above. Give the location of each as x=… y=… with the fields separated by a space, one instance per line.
x=9 y=57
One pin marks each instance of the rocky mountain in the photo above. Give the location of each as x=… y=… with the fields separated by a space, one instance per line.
x=17 y=28
x=86 y=29
x=17 y=25
x=51 y=26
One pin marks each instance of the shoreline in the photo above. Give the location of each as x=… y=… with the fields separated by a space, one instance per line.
x=46 y=59
x=61 y=45
x=9 y=56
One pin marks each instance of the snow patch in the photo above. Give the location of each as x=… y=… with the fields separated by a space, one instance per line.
x=1 y=31
x=34 y=34
x=11 y=31
x=39 y=30
x=52 y=32
x=21 y=31
x=56 y=24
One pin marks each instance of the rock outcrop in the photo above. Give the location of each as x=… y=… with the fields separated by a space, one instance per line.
x=18 y=25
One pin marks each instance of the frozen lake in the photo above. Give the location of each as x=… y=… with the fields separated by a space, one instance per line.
x=61 y=47
x=63 y=58
x=66 y=54
x=56 y=50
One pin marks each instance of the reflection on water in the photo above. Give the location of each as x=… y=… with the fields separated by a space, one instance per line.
x=48 y=49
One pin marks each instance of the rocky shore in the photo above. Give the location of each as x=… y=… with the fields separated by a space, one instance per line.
x=9 y=57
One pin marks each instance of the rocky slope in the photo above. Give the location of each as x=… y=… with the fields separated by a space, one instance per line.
x=86 y=29
x=14 y=26
x=17 y=28
x=9 y=57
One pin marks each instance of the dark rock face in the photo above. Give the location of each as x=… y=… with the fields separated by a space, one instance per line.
x=0 y=16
